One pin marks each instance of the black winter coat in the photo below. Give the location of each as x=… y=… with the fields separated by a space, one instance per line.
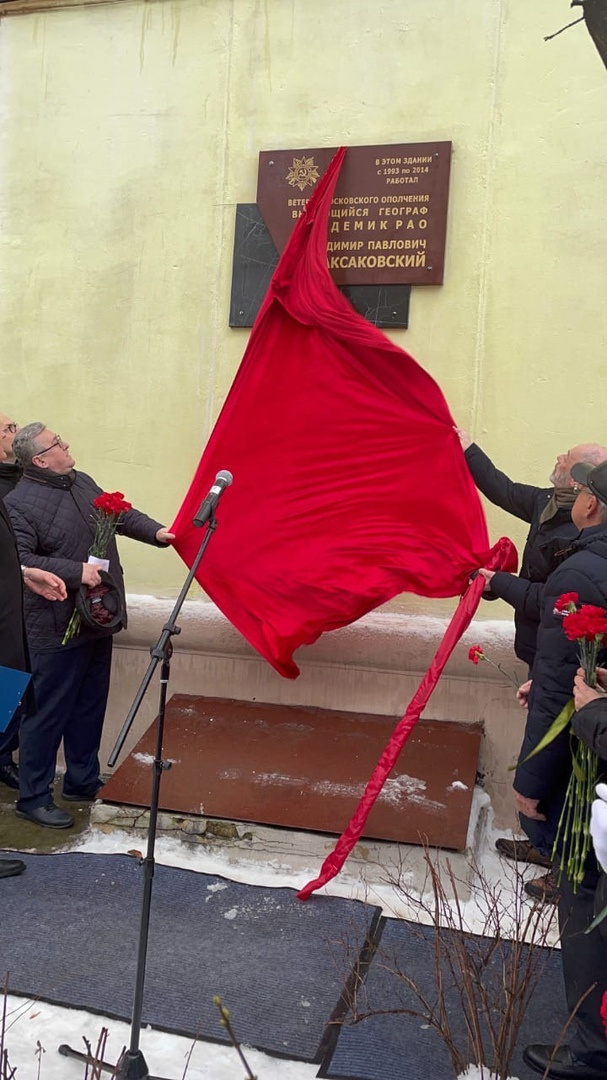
x=9 y=477
x=544 y=545
x=590 y=725
x=52 y=516
x=13 y=648
x=545 y=776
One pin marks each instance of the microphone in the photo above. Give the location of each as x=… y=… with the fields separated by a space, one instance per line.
x=208 y=504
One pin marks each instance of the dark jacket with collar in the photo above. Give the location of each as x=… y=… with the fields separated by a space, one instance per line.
x=590 y=725
x=9 y=476
x=545 y=776
x=52 y=517
x=543 y=547
x=13 y=648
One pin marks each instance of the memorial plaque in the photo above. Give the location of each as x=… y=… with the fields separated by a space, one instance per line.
x=388 y=217
x=256 y=258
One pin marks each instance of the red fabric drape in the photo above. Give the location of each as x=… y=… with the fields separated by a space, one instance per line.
x=350 y=485
x=502 y=557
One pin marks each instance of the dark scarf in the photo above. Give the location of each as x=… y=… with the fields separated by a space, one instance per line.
x=65 y=482
x=47 y=476
x=561 y=499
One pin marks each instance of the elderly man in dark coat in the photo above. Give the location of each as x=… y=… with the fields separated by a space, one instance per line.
x=541 y=780
x=10 y=470
x=585 y=952
x=13 y=645
x=547 y=510
x=52 y=513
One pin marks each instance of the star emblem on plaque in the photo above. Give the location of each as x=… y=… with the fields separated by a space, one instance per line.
x=303 y=172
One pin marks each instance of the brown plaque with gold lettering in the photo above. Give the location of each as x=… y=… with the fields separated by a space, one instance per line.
x=388 y=217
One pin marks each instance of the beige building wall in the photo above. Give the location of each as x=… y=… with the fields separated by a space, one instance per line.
x=129 y=132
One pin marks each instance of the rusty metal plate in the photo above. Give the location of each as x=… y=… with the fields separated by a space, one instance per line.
x=305 y=768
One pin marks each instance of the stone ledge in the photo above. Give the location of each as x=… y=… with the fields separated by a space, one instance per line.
x=373 y=861
x=381 y=641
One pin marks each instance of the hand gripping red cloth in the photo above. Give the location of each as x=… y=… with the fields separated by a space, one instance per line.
x=350 y=485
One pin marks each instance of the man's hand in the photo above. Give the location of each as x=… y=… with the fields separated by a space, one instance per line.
x=44 y=583
x=522 y=694
x=90 y=574
x=163 y=536
x=463 y=437
x=528 y=807
x=582 y=693
x=487 y=575
x=601 y=677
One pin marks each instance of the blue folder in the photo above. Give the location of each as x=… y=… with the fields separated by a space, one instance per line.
x=13 y=685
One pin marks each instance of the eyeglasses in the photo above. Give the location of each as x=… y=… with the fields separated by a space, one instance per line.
x=578 y=489
x=58 y=442
x=9 y=427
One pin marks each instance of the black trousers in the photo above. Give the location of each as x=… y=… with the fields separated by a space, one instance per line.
x=584 y=958
x=9 y=738
x=71 y=687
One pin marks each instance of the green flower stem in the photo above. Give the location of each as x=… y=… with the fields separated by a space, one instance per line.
x=573 y=838
x=515 y=682
x=104 y=534
x=72 y=627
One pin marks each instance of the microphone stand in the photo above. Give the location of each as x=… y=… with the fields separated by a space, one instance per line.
x=132 y=1064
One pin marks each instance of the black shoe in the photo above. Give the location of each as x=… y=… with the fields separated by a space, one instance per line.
x=49 y=816
x=79 y=798
x=544 y=889
x=521 y=851
x=11 y=867
x=9 y=775
x=564 y=1065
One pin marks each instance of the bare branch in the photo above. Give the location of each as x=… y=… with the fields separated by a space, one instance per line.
x=563 y=28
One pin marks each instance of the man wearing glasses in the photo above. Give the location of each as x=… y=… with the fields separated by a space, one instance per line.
x=51 y=510
x=547 y=510
x=13 y=646
x=10 y=471
x=541 y=781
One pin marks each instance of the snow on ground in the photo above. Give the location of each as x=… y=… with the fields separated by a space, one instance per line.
x=31 y=1023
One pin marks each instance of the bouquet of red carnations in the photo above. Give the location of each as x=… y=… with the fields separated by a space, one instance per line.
x=587 y=625
x=109 y=508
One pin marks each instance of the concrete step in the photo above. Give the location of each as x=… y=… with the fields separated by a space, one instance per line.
x=373 y=864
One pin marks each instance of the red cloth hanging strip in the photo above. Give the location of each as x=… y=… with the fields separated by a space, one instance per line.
x=501 y=558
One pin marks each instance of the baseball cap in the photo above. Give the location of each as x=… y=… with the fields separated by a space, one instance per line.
x=594 y=477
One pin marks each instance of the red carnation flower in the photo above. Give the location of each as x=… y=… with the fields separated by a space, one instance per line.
x=112 y=503
x=589 y=623
x=476 y=653
x=566 y=603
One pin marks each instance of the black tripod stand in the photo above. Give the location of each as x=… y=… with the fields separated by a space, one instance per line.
x=132 y=1064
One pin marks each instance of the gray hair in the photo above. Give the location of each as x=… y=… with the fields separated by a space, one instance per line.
x=25 y=442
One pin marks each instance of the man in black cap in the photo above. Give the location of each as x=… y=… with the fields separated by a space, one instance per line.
x=13 y=646
x=541 y=780
x=547 y=510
